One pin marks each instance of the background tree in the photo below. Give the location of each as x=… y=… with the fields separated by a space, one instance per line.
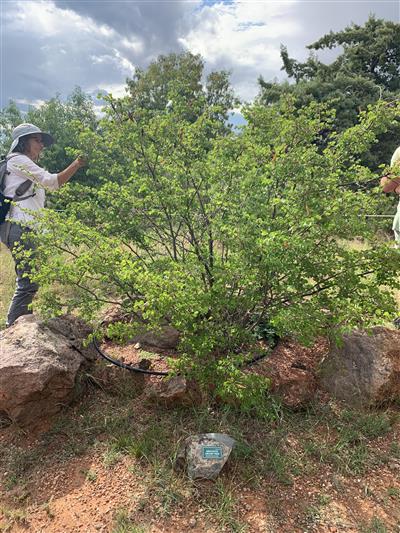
x=10 y=117
x=367 y=69
x=176 y=80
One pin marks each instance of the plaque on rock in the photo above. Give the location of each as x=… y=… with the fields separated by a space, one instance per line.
x=203 y=456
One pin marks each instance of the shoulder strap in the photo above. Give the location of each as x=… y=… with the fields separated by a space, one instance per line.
x=21 y=189
x=3 y=173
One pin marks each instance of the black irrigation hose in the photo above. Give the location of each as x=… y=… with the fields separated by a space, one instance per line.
x=115 y=362
x=260 y=357
x=139 y=370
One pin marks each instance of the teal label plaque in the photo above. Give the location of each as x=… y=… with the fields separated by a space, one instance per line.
x=212 y=452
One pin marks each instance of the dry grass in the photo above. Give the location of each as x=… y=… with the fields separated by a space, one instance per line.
x=7 y=282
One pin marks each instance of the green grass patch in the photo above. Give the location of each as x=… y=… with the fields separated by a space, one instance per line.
x=107 y=424
x=222 y=505
x=17 y=462
x=395 y=450
x=12 y=517
x=374 y=526
x=345 y=442
x=393 y=492
x=123 y=523
x=167 y=489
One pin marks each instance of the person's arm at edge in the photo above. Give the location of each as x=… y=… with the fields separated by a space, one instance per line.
x=389 y=184
x=66 y=174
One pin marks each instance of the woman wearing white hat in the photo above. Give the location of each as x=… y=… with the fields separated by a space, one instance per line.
x=28 y=142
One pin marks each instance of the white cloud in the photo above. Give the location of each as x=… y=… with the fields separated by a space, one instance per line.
x=33 y=103
x=114 y=58
x=116 y=89
x=50 y=46
x=42 y=18
x=53 y=25
x=242 y=36
x=246 y=32
x=65 y=49
x=125 y=65
x=134 y=45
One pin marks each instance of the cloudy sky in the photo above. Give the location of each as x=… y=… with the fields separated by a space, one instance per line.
x=50 y=46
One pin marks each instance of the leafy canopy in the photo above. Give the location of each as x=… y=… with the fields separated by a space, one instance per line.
x=366 y=69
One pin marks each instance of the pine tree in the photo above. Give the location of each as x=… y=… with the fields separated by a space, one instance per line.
x=366 y=70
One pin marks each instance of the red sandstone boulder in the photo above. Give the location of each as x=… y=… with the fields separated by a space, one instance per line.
x=39 y=365
x=365 y=370
x=174 y=391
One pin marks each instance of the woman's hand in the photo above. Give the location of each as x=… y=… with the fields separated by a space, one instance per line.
x=66 y=174
x=81 y=161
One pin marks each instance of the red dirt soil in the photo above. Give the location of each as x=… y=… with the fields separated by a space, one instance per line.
x=82 y=493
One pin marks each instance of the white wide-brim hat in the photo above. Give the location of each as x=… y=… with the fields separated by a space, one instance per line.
x=27 y=129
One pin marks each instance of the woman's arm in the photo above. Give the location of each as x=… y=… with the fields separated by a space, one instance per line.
x=66 y=174
x=23 y=167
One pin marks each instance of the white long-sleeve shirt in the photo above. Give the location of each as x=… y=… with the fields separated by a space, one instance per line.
x=396 y=221
x=21 y=168
x=395 y=157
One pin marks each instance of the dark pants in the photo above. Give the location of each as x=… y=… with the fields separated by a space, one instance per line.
x=25 y=289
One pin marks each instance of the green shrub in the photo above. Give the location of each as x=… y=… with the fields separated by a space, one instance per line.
x=219 y=234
